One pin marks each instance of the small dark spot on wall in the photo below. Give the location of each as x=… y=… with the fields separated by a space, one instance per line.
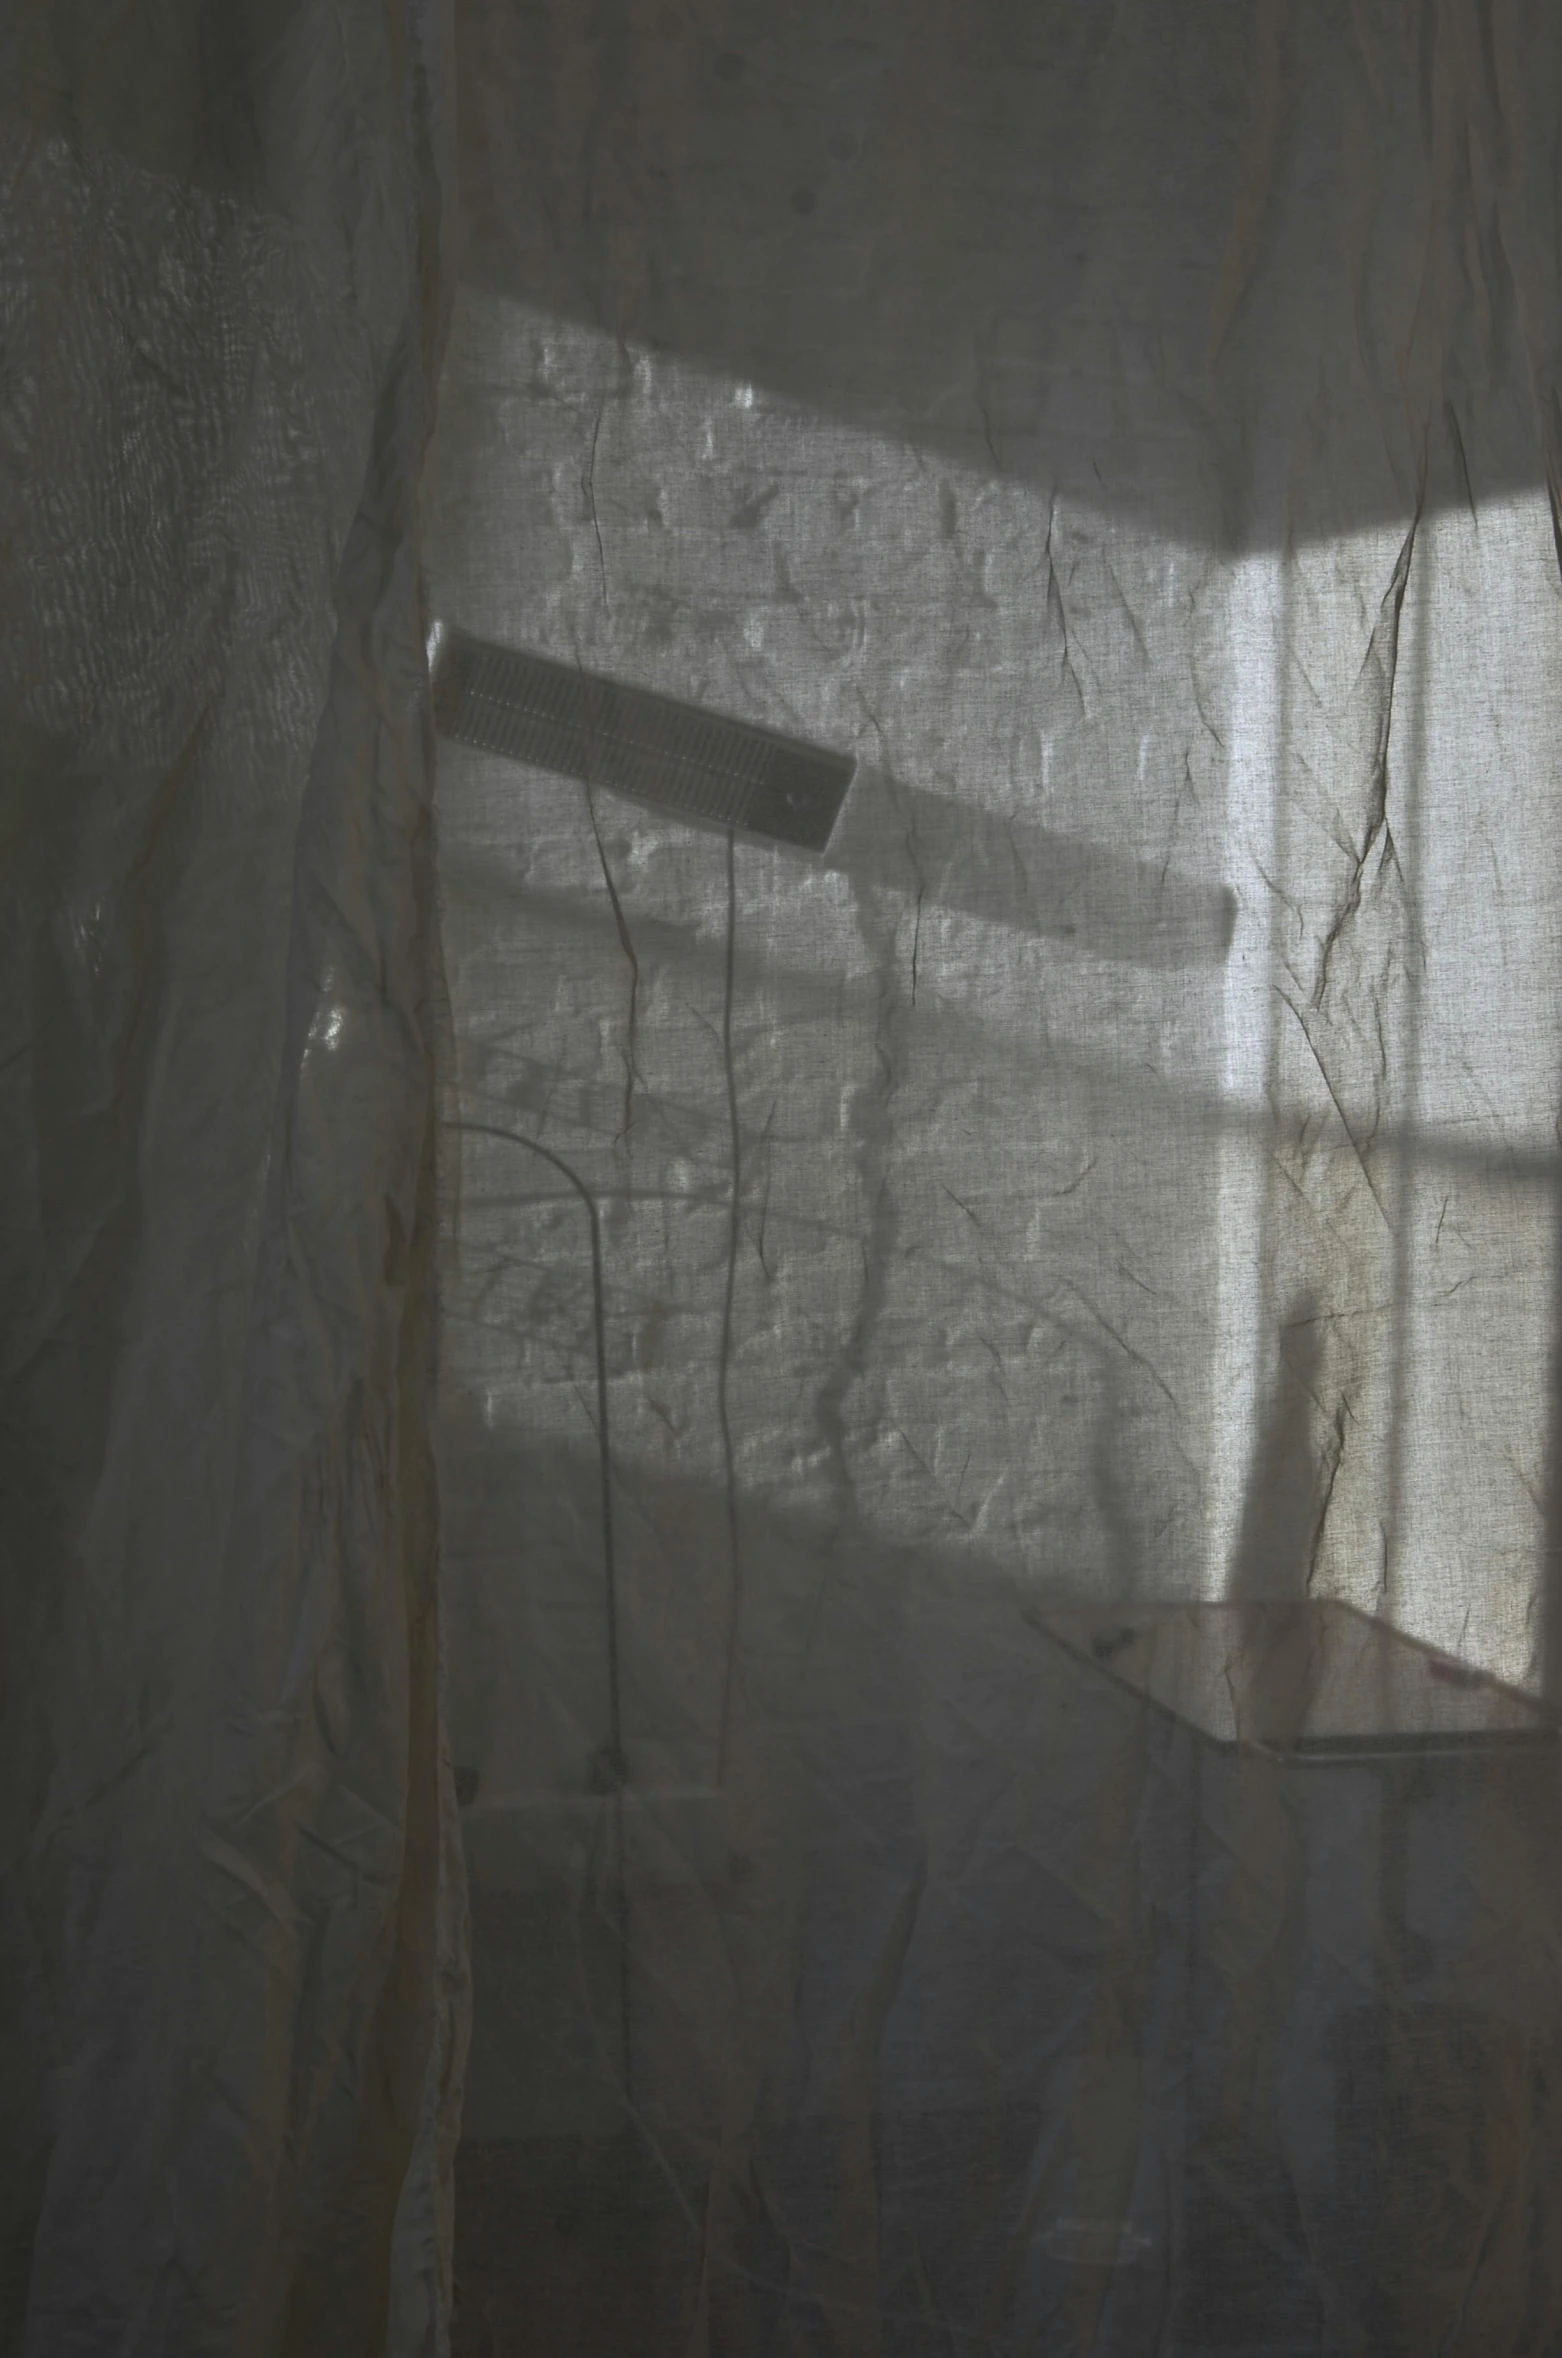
x=751 y=512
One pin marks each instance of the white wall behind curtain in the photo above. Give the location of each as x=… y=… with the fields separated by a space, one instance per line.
x=1390 y=1168
x=1128 y=1201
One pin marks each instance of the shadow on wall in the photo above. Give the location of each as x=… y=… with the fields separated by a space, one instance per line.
x=921 y=2016
x=824 y=1607
x=1033 y=880
x=1293 y=1470
x=984 y=224
x=903 y=1738
x=1292 y=1478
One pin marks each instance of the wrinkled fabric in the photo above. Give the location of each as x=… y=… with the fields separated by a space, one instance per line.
x=229 y=1889
x=1122 y=1169
x=932 y=1468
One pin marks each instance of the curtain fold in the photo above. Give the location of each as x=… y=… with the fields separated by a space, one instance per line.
x=231 y=2035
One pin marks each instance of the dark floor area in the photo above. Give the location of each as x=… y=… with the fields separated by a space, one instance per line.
x=570 y=2244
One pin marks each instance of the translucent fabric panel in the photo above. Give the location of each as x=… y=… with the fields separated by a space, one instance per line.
x=937 y=1460
x=230 y=1953
x=997 y=1401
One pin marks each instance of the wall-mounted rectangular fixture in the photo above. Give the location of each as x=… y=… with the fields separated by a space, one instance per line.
x=684 y=759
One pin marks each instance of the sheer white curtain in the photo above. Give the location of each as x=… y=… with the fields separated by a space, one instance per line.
x=1121 y=1171
x=229 y=1882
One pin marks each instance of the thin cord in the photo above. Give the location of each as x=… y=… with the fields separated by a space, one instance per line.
x=617 y=1766
x=604 y=1444
x=724 y=1364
